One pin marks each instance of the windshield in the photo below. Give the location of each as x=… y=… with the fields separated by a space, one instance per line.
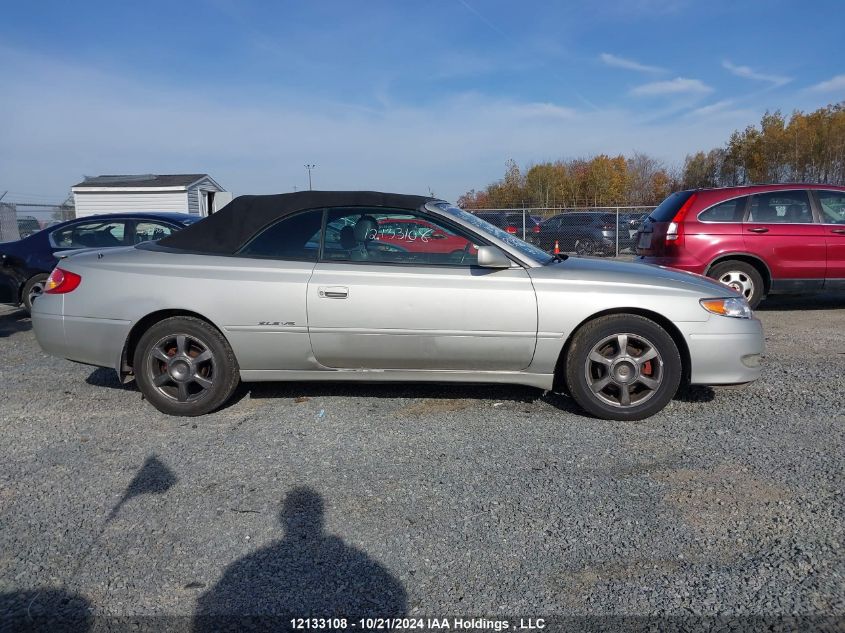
x=513 y=241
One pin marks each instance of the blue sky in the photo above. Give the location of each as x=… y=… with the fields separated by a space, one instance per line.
x=405 y=96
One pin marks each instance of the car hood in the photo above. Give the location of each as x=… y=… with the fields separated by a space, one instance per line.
x=631 y=274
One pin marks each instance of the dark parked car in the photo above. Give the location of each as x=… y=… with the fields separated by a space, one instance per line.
x=584 y=233
x=510 y=221
x=758 y=239
x=633 y=222
x=27 y=225
x=26 y=263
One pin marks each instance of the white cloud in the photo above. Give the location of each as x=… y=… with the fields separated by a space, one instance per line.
x=719 y=106
x=677 y=86
x=629 y=64
x=747 y=73
x=257 y=143
x=547 y=110
x=831 y=85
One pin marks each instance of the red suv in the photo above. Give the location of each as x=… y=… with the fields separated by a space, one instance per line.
x=759 y=239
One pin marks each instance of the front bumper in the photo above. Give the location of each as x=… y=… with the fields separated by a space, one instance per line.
x=724 y=350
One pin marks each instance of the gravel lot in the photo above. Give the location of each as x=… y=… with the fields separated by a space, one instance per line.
x=427 y=501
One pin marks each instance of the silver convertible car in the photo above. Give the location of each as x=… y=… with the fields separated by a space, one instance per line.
x=385 y=287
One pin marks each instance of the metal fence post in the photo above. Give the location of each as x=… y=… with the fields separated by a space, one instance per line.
x=617 y=231
x=523 y=222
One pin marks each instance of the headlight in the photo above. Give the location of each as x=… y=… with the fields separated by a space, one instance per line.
x=735 y=307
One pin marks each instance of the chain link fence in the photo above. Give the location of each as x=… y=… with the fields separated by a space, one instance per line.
x=19 y=220
x=588 y=231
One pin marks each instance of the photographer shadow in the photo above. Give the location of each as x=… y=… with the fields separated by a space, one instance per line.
x=308 y=573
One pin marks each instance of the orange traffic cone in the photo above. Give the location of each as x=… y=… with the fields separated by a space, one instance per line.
x=557 y=248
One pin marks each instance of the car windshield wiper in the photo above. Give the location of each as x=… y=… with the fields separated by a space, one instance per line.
x=558 y=257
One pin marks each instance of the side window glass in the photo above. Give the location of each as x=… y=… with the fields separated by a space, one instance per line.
x=832 y=206
x=296 y=237
x=146 y=231
x=91 y=235
x=395 y=237
x=781 y=207
x=727 y=211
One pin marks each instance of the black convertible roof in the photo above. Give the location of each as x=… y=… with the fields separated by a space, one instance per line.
x=230 y=228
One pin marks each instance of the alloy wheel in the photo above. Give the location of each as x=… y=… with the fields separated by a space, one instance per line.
x=739 y=281
x=36 y=291
x=181 y=367
x=624 y=370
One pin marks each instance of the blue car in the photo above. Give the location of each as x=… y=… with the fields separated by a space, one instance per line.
x=26 y=263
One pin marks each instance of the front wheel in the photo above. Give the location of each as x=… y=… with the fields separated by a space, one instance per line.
x=184 y=366
x=623 y=367
x=585 y=248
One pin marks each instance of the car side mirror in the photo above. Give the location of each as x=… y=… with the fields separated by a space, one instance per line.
x=492 y=257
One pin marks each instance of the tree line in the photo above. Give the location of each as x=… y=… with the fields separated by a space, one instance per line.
x=803 y=148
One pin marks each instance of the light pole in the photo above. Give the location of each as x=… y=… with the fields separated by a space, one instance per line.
x=309 y=167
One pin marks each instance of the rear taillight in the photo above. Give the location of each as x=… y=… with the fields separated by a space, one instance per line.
x=675 y=230
x=536 y=228
x=61 y=281
x=511 y=230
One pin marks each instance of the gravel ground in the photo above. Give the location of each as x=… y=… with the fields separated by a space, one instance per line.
x=426 y=501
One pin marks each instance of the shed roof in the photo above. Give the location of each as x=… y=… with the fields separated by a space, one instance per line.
x=141 y=181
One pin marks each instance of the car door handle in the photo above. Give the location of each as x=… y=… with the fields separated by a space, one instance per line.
x=759 y=229
x=838 y=231
x=333 y=292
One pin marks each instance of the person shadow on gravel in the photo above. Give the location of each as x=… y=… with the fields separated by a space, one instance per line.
x=306 y=574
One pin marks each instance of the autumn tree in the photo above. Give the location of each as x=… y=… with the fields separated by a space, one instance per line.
x=804 y=148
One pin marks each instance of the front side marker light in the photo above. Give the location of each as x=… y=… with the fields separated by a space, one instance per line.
x=735 y=307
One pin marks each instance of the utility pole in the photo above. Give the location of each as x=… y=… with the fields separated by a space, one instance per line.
x=309 y=167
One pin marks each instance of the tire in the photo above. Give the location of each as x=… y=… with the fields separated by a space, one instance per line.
x=585 y=247
x=32 y=289
x=741 y=276
x=170 y=377
x=628 y=371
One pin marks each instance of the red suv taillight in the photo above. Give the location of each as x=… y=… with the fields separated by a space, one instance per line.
x=536 y=228
x=511 y=230
x=675 y=230
x=61 y=281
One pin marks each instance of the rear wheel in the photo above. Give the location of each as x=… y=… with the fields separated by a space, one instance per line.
x=33 y=289
x=623 y=367
x=742 y=277
x=184 y=366
x=585 y=247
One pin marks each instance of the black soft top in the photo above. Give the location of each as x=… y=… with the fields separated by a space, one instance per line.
x=230 y=228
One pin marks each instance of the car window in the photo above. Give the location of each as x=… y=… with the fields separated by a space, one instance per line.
x=781 y=207
x=496 y=219
x=93 y=234
x=147 y=230
x=295 y=237
x=396 y=237
x=727 y=211
x=667 y=209
x=515 y=219
x=576 y=219
x=832 y=206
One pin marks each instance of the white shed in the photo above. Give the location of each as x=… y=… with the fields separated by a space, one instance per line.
x=197 y=194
